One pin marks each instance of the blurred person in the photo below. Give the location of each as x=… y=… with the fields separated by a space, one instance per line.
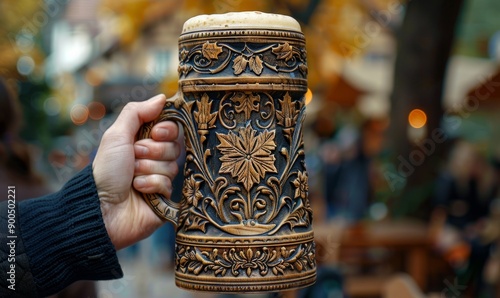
x=462 y=196
x=17 y=169
x=466 y=187
x=16 y=161
x=347 y=173
x=73 y=234
x=491 y=234
x=331 y=156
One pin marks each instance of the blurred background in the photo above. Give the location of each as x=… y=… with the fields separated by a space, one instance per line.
x=402 y=145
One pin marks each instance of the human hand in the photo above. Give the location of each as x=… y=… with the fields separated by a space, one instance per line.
x=123 y=167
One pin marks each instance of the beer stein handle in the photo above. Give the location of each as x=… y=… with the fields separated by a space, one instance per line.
x=174 y=110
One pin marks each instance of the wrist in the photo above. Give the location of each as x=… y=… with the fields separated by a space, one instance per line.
x=66 y=230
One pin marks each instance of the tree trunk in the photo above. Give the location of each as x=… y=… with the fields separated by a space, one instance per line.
x=424 y=43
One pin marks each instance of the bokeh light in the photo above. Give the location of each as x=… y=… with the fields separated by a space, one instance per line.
x=417 y=118
x=51 y=106
x=79 y=114
x=309 y=96
x=94 y=77
x=378 y=211
x=96 y=110
x=25 y=65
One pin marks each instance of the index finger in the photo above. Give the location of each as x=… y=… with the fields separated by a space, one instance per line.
x=135 y=114
x=165 y=131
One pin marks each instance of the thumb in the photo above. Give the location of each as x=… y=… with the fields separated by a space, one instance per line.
x=135 y=114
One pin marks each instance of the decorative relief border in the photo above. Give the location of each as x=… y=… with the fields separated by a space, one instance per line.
x=200 y=241
x=242 y=57
x=247 y=287
x=258 y=262
x=280 y=34
x=188 y=85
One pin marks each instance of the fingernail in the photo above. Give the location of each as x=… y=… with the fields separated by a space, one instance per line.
x=162 y=133
x=140 y=181
x=141 y=150
x=136 y=165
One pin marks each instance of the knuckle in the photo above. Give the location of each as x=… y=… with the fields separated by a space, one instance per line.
x=177 y=148
x=107 y=135
x=145 y=166
x=175 y=169
x=114 y=134
x=166 y=187
x=130 y=106
x=167 y=151
x=172 y=151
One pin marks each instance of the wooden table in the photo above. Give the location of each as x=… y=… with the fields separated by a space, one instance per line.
x=407 y=236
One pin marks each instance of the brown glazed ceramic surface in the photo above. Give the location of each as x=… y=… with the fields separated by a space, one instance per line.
x=244 y=221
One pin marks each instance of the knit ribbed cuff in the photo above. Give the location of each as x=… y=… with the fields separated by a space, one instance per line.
x=65 y=236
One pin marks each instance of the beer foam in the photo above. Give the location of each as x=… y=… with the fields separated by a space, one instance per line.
x=241 y=20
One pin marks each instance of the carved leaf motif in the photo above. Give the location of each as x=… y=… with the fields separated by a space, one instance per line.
x=195 y=223
x=283 y=51
x=288 y=114
x=203 y=117
x=183 y=55
x=246 y=102
x=211 y=50
x=184 y=69
x=247 y=156
x=239 y=64
x=299 y=217
x=255 y=64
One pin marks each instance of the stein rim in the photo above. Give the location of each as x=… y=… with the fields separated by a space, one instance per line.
x=240 y=20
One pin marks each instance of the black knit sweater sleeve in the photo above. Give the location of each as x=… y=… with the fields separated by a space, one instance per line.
x=64 y=238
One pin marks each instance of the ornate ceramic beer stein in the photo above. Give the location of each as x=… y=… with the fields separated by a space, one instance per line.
x=244 y=220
